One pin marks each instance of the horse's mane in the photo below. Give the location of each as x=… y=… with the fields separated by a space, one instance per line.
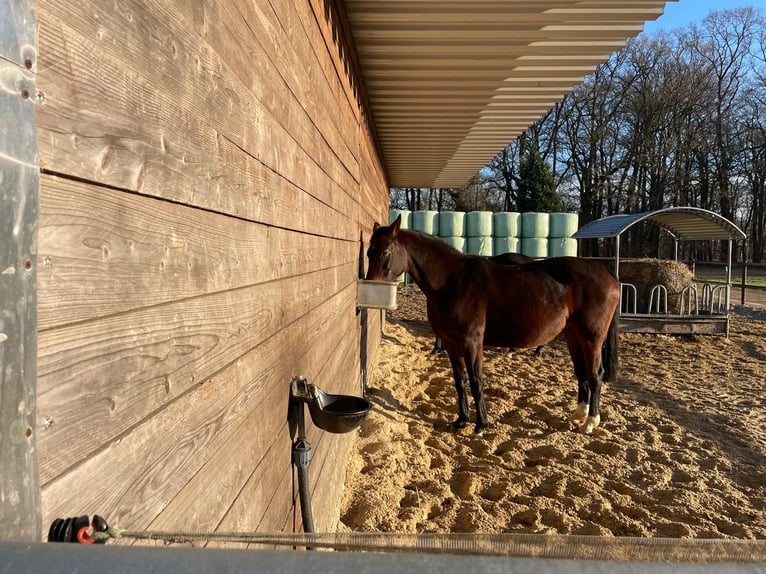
x=432 y=241
x=436 y=259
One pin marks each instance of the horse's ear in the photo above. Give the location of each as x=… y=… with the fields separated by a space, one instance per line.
x=375 y=226
x=395 y=225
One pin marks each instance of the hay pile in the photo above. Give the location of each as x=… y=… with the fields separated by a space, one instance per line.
x=646 y=273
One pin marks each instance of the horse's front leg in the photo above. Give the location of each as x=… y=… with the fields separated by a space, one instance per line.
x=460 y=374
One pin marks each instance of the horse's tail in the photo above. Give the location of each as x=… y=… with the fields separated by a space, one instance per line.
x=609 y=358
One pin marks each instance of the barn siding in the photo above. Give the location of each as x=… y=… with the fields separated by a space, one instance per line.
x=207 y=179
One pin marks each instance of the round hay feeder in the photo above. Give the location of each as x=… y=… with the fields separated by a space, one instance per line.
x=683 y=224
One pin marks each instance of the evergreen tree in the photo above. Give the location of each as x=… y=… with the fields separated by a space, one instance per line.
x=537 y=191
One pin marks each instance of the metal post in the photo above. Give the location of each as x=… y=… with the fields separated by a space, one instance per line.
x=617 y=271
x=728 y=280
x=20 y=177
x=744 y=273
x=301 y=450
x=301 y=457
x=744 y=284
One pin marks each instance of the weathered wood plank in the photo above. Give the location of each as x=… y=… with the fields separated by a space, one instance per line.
x=98 y=379
x=273 y=58
x=138 y=33
x=303 y=36
x=104 y=252
x=369 y=187
x=328 y=487
x=242 y=516
x=330 y=17
x=324 y=18
x=271 y=491
x=138 y=476
x=675 y=324
x=169 y=333
x=197 y=503
x=161 y=143
x=239 y=38
x=271 y=199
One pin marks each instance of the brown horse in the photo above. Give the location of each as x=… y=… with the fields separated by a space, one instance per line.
x=472 y=302
x=502 y=259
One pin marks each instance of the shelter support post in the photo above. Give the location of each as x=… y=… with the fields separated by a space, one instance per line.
x=617 y=270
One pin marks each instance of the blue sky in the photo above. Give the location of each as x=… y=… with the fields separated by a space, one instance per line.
x=685 y=12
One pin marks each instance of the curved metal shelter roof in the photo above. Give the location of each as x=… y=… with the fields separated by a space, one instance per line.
x=689 y=223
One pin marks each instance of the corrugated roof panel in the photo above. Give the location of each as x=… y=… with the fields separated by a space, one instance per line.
x=437 y=72
x=690 y=223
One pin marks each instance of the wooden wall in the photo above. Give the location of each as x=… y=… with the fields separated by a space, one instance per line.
x=207 y=178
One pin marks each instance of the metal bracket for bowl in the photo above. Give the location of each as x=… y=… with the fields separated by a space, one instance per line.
x=331 y=413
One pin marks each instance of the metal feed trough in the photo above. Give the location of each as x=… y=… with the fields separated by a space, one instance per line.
x=702 y=310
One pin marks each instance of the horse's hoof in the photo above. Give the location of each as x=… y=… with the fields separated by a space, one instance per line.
x=479 y=430
x=590 y=424
x=460 y=424
x=580 y=414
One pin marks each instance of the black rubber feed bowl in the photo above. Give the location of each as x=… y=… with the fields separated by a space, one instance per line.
x=337 y=413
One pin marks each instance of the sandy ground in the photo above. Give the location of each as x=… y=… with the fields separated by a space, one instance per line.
x=681 y=450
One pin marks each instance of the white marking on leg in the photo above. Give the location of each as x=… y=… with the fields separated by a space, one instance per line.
x=590 y=424
x=578 y=416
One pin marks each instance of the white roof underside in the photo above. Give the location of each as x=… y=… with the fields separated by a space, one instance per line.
x=452 y=82
x=689 y=223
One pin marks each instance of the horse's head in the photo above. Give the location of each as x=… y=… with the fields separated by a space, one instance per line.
x=387 y=258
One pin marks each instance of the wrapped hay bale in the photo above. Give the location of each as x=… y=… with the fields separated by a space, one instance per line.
x=535 y=247
x=479 y=246
x=456 y=242
x=406 y=215
x=646 y=273
x=562 y=247
x=562 y=224
x=502 y=245
x=535 y=225
x=506 y=224
x=478 y=223
x=452 y=224
x=425 y=221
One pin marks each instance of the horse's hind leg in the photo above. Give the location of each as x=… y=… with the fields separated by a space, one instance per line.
x=583 y=391
x=592 y=355
x=475 y=375
x=586 y=358
x=460 y=373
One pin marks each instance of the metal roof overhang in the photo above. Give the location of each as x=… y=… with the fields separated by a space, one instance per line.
x=687 y=223
x=450 y=83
